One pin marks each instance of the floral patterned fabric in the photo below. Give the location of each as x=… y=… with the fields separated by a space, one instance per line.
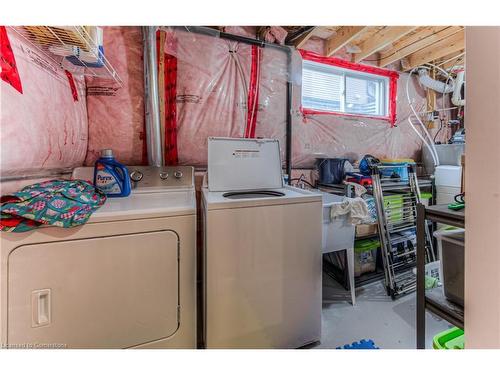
x=62 y=203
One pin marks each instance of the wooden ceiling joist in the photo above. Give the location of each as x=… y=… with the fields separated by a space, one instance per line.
x=423 y=37
x=343 y=36
x=381 y=40
x=453 y=43
x=305 y=37
x=453 y=62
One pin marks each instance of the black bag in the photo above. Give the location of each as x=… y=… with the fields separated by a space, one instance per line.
x=331 y=171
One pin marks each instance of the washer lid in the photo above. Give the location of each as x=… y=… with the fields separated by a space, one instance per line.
x=236 y=164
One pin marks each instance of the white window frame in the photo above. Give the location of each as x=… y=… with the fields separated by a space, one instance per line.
x=382 y=99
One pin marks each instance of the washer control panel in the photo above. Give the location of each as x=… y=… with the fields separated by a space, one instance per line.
x=152 y=178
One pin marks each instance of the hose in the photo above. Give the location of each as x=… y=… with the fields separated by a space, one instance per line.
x=233 y=53
x=431 y=146
x=434 y=156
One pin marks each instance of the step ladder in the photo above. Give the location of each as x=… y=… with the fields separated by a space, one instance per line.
x=396 y=203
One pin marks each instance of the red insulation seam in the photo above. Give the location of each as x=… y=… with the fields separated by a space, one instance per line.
x=309 y=111
x=72 y=85
x=253 y=94
x=171 y=152
x=334 y=61
x=169 y=75
x=9 y=72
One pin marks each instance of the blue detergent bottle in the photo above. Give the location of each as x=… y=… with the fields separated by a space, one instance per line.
x=110 y=176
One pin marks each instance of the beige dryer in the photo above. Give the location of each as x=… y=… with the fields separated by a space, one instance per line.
x=126 y=279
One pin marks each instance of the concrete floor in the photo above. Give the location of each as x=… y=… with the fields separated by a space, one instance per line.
x=390 y=324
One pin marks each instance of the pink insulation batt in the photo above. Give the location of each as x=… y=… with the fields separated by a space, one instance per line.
x=212 y=81
x=212 y=84
x=116 y=114
x=213 y=76
x=337 y=136
x=42 y=128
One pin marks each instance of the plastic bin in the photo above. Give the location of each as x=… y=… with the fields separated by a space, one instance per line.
x=365 y=256
x=452 y=338
x=399 y=168
x=451 y=246
x=394 y=204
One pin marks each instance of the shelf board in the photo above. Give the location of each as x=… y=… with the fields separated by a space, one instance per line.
x=442 y=214
x=436 y=302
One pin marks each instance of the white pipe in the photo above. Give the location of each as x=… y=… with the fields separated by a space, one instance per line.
x=436 y=161
x=456 y=98
x=430 y=146
x=233 y=53
x=434 y=84
x=446 y=73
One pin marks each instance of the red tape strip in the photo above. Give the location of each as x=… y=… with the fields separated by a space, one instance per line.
x=334 y=61
x=169 y=75
x=172 y=156
x=9 y=72
x=253 y=94
x=72 y=85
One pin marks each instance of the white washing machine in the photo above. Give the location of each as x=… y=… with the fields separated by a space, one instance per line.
x=126 y=279
x=262 y=251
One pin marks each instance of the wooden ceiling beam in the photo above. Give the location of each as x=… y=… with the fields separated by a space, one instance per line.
x=420 y=39
x=343 y=36
x=449 y=63
x=299 y=43
x=453 y=43
x=447 y=58
x=381 y=40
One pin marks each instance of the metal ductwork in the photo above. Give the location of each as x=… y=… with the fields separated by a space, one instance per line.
x=152 y=105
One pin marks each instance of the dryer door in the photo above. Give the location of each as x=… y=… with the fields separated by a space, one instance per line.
x=109 y=292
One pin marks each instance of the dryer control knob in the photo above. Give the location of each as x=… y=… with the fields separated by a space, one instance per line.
x=136 y=176
x=177 y=174
x=163 y=175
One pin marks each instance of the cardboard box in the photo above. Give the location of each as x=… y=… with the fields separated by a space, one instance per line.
x=366 y=229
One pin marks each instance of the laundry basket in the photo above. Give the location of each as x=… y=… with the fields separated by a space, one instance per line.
x=452 y=338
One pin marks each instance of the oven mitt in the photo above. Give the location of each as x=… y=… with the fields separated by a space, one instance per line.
x=61 y=203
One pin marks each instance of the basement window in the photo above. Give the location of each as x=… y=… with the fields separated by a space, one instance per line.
x=335 y=86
